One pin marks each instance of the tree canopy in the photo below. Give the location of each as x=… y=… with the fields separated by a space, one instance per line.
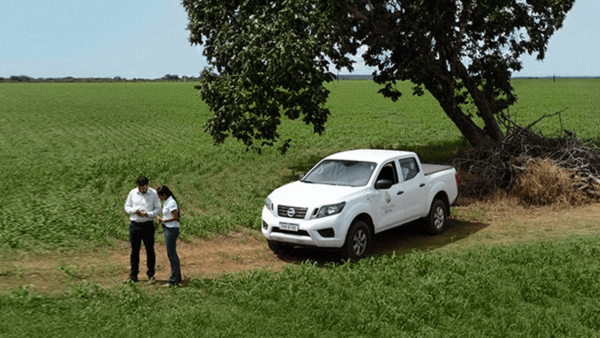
x=270 y=59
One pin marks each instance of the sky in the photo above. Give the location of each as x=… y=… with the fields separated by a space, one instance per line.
x=148 y=39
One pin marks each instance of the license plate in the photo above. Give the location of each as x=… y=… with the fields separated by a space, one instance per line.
x=288 y=226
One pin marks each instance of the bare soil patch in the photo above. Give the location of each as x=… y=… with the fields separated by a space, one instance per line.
x=500 y=222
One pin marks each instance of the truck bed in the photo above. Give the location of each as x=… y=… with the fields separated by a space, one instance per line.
x=429 y=169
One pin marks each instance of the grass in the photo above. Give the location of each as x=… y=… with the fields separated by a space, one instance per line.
x=540 y=289
x=575 y=97
x=72 y=151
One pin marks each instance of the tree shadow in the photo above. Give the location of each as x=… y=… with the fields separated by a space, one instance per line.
x=300 y=167
x=400 y=241
x=438 y=152
x=411 y=237
x=435 y=152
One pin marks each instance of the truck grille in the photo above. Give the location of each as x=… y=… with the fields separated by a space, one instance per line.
x=291 y=212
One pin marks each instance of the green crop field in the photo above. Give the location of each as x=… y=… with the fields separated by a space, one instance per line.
x=70 y=153
x=536 y=290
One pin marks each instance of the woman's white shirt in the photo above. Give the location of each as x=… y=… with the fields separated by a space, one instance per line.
x=168 y=207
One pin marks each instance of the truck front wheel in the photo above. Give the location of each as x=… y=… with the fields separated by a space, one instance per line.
x=357 y=242
x=436 y=221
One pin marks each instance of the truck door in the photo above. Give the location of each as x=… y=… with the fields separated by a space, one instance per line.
x=386 y=201
x=414 y=191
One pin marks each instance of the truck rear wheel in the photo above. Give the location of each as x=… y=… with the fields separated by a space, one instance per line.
x=357 y=242
x=436 y=220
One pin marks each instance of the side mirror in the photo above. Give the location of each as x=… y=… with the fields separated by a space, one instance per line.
x=383 y=184
x=301 y=176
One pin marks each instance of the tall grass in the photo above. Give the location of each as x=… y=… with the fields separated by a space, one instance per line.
x=72 y=151
x=542 y=289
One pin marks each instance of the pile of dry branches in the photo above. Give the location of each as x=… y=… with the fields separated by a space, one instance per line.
x=539 y=169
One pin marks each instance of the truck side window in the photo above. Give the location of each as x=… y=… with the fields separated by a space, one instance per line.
x=409 y=168
x=388 y=172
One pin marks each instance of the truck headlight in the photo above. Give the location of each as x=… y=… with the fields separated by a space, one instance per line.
x=332 y=209
x=269 y=204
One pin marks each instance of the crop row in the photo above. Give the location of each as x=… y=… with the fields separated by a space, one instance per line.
x=71 y=152
x=544 y=289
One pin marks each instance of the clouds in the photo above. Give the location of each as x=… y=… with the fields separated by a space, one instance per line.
x=359 y=66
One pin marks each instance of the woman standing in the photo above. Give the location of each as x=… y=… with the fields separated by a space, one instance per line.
x=170 y=223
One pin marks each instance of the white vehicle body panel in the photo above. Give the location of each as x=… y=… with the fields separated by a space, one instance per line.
x=404 y=201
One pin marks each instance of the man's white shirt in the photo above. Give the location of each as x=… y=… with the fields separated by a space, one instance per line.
x=148 y=202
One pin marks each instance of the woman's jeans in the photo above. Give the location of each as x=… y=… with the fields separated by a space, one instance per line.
x=171 y=235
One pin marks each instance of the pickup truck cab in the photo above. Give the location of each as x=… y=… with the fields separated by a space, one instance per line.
x=348 y=197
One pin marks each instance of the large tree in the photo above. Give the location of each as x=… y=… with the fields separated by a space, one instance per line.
x=270 y=58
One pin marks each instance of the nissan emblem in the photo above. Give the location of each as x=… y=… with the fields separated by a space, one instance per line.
x=291 y=212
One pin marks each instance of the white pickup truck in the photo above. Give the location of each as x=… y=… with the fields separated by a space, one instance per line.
x=348 y=197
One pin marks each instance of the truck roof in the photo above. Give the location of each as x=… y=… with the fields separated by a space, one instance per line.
x=369 y=155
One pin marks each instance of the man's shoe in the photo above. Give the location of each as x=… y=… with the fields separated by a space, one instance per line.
x=151 y=280
x=131 y=279
x=169 y=285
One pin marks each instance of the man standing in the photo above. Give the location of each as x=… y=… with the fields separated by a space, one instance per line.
x=142 y=205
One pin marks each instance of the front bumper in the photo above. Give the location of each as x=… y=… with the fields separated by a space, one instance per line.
x=308 y=230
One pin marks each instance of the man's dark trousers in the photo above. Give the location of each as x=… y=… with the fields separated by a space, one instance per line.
x=138 y=233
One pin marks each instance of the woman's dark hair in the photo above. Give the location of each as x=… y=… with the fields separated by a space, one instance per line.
x=164 y=190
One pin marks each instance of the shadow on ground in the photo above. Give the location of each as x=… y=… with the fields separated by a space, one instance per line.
x=402 y=240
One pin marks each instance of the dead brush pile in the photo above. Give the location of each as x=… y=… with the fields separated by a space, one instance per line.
x=545 y=183
x=535 y=169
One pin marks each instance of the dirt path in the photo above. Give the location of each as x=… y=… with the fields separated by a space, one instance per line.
x=474 y=224
x=109 y=267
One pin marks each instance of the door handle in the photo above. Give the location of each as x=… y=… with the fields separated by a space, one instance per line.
x=400 y=193
x=421 y=185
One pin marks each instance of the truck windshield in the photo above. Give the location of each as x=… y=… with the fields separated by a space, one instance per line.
x=335 y=172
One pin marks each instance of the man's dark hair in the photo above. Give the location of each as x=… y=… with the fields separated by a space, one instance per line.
x=141 y=181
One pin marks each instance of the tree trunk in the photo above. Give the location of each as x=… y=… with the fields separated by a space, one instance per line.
x=475 y=135
x=492 y=128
